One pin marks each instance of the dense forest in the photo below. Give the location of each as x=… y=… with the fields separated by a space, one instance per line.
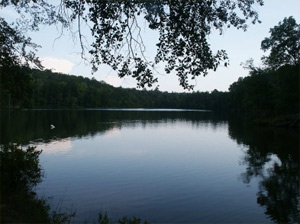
x=268 y=92
x=264 y=93
x=32 y=88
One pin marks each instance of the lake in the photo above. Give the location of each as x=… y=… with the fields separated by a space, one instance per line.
x=163 y=166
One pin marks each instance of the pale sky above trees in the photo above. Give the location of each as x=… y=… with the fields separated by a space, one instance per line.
x=63 y=54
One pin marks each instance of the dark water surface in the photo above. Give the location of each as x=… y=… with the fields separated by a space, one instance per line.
x=162 y=166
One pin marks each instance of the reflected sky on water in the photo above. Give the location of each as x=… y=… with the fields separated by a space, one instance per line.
x=162 y=166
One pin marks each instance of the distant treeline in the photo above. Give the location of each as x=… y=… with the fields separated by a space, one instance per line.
x=32 y=88
x=264 y=93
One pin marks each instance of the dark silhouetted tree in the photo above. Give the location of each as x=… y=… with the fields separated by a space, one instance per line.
x=272 y=90
x=283 y=43
x=183 y=28
x=16 y=47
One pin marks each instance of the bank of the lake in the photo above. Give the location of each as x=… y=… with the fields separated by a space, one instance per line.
x=267 y=96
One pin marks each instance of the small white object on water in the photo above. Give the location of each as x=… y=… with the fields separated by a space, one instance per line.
x=52 y=126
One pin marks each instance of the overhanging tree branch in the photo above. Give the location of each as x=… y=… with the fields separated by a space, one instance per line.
x=183 y=27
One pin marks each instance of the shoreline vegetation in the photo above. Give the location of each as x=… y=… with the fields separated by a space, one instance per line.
x=21 y=204
x=269 y=95
x=286 y=121
x=19 y=201
x=266 y=97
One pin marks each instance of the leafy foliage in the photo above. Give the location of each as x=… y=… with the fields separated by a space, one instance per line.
x=20 y=168
x=183 y=28
x=267 y=93
x=20 y=174
x=283 y=43
x=273 y=90
x=14 y=43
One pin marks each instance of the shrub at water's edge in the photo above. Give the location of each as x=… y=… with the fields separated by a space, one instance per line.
x=21 y=172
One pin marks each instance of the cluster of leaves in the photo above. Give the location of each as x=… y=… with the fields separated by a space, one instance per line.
x=283 y=43
x=183 y=28
x=16 y=47
x=13 y=46
x=20 y=174
x=20 y=168
x=272 y=90
x=33 y=13
x=13 y=36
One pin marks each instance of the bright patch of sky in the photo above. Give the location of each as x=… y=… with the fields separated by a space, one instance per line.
x=57 y=64
x=63 y=54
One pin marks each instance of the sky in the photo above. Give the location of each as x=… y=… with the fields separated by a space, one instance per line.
x=63 y=54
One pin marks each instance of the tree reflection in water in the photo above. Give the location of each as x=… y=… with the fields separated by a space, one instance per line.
x=272 y=155
x=20 y=174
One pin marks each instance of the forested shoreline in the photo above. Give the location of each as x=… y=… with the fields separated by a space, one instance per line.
x=139 y=162
x=46 y=89
x=269 y=94
x=265 y=93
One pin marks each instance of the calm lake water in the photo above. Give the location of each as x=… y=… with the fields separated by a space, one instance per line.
x=162 y=166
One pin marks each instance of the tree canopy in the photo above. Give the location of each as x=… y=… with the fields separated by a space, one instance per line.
x=16 y=47
x=183 y=27
x=283 y=43
x=13 y=45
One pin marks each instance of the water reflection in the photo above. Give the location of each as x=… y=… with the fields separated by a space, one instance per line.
x=21 y=172
x=24 y=127
x=55 y=147
x=272 y=156
x=113 y=132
